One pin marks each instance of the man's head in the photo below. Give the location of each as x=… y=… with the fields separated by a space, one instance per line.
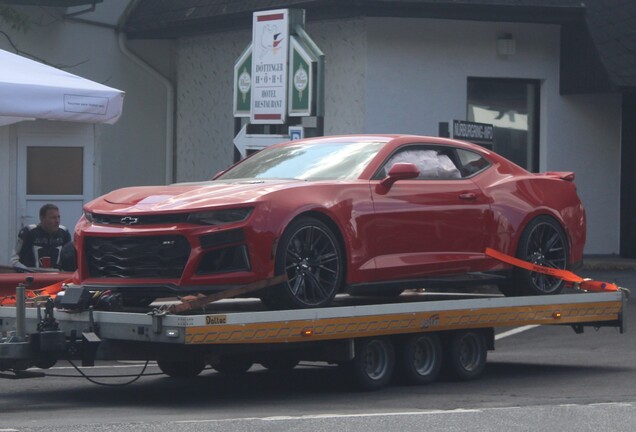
x=50 y=218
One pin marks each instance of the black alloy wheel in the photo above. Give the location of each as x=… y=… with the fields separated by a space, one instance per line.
x=310 y=256
x=544 y=243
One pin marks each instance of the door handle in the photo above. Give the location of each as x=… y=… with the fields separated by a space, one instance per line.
x=468 y=196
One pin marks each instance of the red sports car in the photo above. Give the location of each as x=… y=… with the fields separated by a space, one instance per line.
x=358 y=214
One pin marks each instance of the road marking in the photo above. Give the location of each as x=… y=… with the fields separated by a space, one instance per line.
x=514 y=331
x=138 y=365
x=402 y=413
x=336 y=416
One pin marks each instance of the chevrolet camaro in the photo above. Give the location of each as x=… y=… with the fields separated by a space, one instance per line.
x=360 y=214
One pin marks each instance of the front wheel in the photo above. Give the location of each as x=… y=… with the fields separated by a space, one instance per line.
x=310 y=255
x=374 y=362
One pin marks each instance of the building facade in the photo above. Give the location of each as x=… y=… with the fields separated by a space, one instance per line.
x=534 y=69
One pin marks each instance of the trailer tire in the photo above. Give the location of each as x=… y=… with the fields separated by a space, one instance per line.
x=232 y=365
x=280 y=364
x=181 y=368
x=465 y=354
x=374 y=363
x=420 y=358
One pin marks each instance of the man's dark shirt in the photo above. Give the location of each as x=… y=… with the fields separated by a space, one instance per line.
x=37 y=248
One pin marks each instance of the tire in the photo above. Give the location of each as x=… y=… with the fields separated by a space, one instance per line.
x=374 y=363
x=543 y=242
x=465 y=354
x=420 y=358
x=310 y=255
x=280 y=364
x=232 y=365
x=181 y=368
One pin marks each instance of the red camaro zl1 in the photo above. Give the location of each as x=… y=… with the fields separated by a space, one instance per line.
x=364 y=214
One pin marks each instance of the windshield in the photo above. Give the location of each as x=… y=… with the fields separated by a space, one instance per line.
x=308 y=161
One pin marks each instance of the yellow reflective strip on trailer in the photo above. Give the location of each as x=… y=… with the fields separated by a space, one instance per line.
x=397 y=323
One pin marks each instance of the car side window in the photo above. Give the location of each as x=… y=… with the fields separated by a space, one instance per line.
x=471 y=162
x=433 y=163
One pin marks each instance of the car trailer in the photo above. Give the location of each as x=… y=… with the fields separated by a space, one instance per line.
x=415 y=335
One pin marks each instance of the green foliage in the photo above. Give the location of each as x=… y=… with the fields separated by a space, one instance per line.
x=13 y=18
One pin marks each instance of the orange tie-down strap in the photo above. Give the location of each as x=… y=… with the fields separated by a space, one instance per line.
x=565 y=275
x=40 y=293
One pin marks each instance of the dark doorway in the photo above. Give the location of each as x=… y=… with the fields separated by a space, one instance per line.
x=512 y=107
x=628 y=177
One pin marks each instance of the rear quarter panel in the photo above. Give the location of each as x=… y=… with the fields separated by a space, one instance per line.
x=517 y=199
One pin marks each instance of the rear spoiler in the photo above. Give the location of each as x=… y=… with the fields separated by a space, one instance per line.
x=563 y=175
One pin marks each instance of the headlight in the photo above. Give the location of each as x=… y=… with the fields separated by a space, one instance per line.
x=88 y=216
x=220 y=217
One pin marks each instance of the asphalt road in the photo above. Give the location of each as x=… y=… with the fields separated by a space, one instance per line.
x=542 y=378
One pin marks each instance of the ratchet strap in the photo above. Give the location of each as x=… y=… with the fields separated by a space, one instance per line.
x=37 y=294
x=565 y=275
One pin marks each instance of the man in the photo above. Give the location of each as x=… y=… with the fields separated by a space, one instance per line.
x=40 y=246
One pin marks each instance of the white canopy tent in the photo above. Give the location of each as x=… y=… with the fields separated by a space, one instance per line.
x=30 y=90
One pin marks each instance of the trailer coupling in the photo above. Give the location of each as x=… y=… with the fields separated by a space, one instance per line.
x=20 y=351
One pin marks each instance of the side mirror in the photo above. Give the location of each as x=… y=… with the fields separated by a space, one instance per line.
x=399 y=171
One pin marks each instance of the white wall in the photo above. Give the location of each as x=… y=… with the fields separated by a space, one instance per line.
x=584 y=137
x=7 y=186
x=205 y=122
x=131 y=152
x=416 y=77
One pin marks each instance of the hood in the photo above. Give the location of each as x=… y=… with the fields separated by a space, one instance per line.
x=187 y=196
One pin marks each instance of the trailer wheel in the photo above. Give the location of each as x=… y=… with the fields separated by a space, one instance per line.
x=374 y=362
x=232 y=365
x=465 y=354
x=280 y=364
x=181 y=368
x=420 y=358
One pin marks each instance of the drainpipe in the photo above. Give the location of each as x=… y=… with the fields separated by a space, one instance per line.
x=123 y=47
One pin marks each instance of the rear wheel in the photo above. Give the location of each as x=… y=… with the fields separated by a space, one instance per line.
x=310 y=256
x=374 y=362
x=544 y=243
x=181 y=368
x=280 y=364
x=420 y=358
x=232 y=365
x=465 y=354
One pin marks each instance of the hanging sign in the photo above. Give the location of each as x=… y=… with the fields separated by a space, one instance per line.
x=270 y=50
x=243 y=84
x=301 y=79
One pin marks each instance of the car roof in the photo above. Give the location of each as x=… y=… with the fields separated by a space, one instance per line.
x=394 y=139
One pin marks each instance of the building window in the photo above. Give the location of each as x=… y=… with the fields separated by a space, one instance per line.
x=512 y=107
x=55 y=170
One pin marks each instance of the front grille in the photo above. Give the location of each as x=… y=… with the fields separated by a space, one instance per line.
x=150 y=219
x=136 y=257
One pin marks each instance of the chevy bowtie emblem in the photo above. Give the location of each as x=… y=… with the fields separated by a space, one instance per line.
x=128 y=220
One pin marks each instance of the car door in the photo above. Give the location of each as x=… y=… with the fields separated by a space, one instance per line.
x=430 y=225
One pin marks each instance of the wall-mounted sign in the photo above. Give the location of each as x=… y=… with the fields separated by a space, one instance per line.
x=270 y=50
x=301 y=79
x=243 y=84
x=479 y=133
